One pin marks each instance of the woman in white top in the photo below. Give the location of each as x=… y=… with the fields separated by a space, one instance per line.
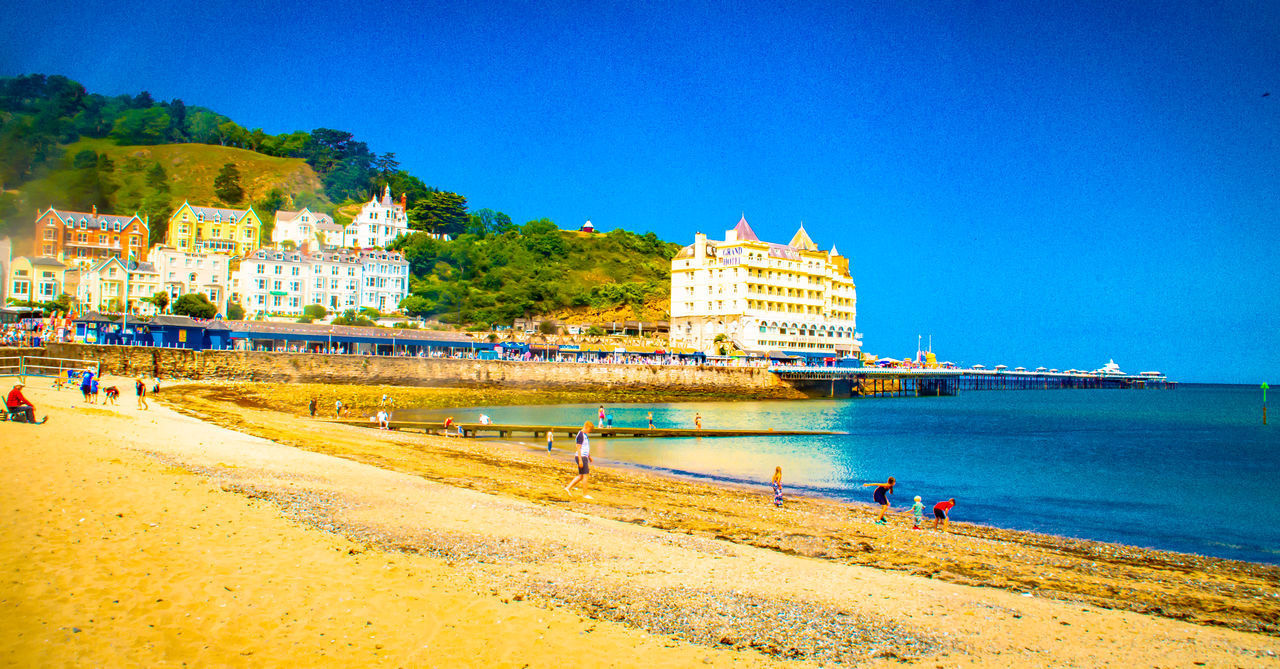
x=582 y=458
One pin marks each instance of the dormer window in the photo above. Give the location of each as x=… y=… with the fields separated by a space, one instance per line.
x=200 y=218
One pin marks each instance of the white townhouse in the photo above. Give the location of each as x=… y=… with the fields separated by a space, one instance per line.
x=275 y=281
x=306 y=227
x=108 y=286
x=764 y=297
x=379 y=222
x=386 y=279
x=182 y=272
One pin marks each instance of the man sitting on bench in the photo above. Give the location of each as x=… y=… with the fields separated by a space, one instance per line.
x=19 y=408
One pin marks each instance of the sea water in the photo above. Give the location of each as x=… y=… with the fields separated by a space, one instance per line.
x=1191 y=469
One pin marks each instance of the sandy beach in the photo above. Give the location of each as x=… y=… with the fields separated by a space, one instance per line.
x=218 y=528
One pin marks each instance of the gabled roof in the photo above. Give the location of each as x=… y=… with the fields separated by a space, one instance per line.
x=801 y=241
x=235 y=214
x=45 y=262
x=744 y=231
x=138 y=267
x=92 y=220
x=169 y=319
x=321 y=218
x=834 y=252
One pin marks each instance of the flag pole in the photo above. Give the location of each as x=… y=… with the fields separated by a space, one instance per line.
x=124 y=328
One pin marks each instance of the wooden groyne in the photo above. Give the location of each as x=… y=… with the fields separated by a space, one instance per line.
x=475 y=429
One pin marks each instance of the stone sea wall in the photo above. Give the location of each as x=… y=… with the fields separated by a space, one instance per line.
x=751 y=382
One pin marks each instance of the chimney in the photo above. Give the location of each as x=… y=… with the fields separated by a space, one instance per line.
x=95 y=210
x=403 y=199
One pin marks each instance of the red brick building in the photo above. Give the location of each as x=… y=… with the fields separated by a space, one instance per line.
x=89 y=237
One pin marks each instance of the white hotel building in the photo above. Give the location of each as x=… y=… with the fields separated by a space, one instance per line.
x=379 y=222
x=283 y=282
x=763 y=297
x=183 y=272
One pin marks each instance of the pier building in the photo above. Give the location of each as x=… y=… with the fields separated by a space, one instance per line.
x=765 y=298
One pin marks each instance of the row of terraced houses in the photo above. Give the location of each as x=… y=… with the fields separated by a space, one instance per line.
x=104 y=262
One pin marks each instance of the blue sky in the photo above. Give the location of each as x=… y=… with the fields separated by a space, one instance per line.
x=1049 y=184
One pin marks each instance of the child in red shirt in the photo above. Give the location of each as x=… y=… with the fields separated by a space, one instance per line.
x=942 y=512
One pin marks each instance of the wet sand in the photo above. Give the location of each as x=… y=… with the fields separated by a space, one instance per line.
x=162 y=537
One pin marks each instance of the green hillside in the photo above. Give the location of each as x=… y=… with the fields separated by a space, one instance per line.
x=490 y=277
x=63 y=146
x=191 y=169
x=124 y=180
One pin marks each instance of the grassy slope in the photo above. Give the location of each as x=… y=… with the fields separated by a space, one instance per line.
x=192 y=168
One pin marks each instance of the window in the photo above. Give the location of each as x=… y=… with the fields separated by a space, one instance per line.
x=50 y=234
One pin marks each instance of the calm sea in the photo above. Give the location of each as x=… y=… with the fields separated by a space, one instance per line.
x=1190 y=470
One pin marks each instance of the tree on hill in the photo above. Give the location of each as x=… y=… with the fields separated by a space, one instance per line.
x=157 y=179
x=441 y=213
x=90 y=183
x=227 y=184
x=195 y=305
x=141 y=126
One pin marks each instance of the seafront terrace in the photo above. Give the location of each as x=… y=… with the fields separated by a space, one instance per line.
x=870 y=381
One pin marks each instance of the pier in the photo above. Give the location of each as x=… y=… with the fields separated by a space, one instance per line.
x=475 y=429
x=890 y=382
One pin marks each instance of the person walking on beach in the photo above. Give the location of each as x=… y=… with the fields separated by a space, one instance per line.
x=600 y=415
x=384 y=419
x=86 y=385
x=140 y=389
x=942 y=512
x=551 y=437
x=917 y=513
x=582 y=458
x=650 y=420
x=881 y=496
x=337 y=409
x=312 y=407
x=697 y=421
x=777 y=487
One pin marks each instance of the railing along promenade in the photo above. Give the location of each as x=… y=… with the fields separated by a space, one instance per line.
x=896 y=382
